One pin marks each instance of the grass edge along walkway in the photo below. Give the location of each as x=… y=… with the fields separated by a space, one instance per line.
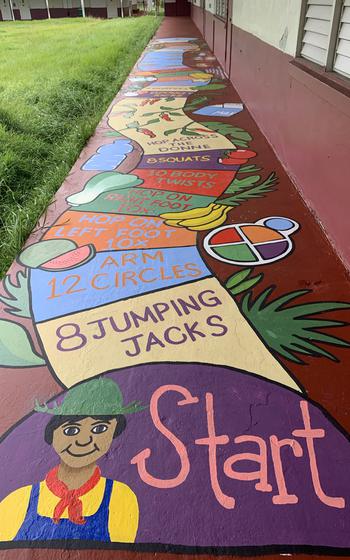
x=52 y=96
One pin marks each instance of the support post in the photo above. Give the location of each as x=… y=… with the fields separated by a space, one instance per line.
x=12 y=12
x=48 y=9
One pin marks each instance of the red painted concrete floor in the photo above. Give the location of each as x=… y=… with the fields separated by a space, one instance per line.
x=304 y=366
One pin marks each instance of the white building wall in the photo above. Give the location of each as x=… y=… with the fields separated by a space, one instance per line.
x=35 y=4
x=24 y=8
x=5 y=9
x=275 y=22
x=99 y=3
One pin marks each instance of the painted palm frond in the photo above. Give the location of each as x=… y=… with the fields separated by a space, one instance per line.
x=294 y=329
x=17 y=299
x=239 y=185
x=242 y=190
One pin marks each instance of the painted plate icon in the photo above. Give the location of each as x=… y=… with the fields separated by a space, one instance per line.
x=263 y=242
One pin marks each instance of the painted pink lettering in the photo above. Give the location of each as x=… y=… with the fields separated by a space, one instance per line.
x=261 y=459
x=212 y=441
x=140 y=459
x=283 y=497
x=310 y=434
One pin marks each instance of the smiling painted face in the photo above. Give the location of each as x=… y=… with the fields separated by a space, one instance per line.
x=82 y=442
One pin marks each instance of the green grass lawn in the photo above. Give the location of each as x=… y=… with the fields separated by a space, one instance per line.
x=56 y=80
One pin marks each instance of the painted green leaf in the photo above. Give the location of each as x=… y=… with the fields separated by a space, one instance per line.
x=239 y=143
x=165 y=108
x=152 y=121
x=195 y=102
x=210 y=87
x=240 y=184
x=189 y=132
x=247 y=285
x=16 y=348
x=17 y=301
x=238 y=136
x=248 y=169
x=171 y=131
x=292 y=330
x=226 y=128
x=237 y=278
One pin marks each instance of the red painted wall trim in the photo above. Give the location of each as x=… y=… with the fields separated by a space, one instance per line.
x=209 y=30
x=306 y=121
x=197 y=16
x=332 y=79
x=308 y=125
x=219 y=40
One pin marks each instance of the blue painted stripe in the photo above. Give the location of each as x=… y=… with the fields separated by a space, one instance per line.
x=112 y=276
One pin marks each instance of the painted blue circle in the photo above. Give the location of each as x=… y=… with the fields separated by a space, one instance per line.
x=279 y=224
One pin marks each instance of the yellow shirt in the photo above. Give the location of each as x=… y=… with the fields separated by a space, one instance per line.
x=123 y=509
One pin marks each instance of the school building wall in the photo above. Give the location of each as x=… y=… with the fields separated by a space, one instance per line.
x=36 y=9
x=177 y=8
x=306 y=120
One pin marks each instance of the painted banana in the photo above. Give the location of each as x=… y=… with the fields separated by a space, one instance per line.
x=172 y=223
x=192 y=213
x=212 y=224
x=214 y=218
x=198 y=221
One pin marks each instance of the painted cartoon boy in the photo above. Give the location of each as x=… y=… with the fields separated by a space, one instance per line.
x=75 y=501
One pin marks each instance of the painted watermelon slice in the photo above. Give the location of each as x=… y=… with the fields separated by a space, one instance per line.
x=71 y=259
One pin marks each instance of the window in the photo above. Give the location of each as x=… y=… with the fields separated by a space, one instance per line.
x=342 y=49
x=221 y=8
x=324 y=35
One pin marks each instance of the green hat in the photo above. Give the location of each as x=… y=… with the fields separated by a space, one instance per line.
x=98 y=397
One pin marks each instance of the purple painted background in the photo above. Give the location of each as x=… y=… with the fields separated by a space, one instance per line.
x=190 y=514
x=208 y=165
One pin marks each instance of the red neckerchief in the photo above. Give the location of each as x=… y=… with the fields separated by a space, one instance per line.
x=70 y=498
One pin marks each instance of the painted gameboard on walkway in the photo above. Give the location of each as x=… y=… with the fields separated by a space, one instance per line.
x=173 y=339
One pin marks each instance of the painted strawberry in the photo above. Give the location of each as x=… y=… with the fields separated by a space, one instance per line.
x=166 y=117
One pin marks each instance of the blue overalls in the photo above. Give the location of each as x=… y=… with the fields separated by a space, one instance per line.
x=38 y=528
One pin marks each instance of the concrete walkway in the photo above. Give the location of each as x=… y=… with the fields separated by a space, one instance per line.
x=178 y=281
